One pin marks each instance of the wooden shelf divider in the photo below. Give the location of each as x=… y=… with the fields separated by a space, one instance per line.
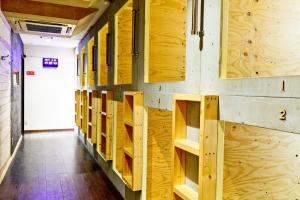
x=92 y=116
x=133 y=109
x=105 y=123
x=194 y=132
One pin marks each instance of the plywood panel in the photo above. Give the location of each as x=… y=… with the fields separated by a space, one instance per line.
x=91 y=73
x=82 y=66
x=102 y=64
x=165 y=48
x=260 y=38
x=119 y=131
x=123 y=45
x=260 y=163
x=159 y=150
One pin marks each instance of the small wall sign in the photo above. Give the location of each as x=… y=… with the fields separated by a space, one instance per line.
x=30 y=73
x=50 y=62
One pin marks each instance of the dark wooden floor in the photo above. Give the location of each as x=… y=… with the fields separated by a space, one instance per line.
x=55 y=166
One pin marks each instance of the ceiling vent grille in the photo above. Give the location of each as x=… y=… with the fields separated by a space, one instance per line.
x=44 y=29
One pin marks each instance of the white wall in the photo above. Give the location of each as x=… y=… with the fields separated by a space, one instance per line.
x=5 y=94
x=49 y=94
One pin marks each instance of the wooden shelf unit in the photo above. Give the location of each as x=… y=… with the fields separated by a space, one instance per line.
x=105 y=125
x=77 y=107
x=123 y=45
x=92 y=116
x=194 y=132
x=133 y=109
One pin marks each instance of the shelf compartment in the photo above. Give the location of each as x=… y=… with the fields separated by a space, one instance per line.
x=195 y=119
x=185 y=192
x=107 y=102
x=133 y=123
x=105 y=120
x=127 y=170
x=103 y=124
x=188 y=146
x=103 y=146
x=128 y=151
x=133 y=107
x=128 y=140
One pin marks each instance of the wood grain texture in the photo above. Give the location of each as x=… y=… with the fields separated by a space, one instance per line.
x=77 y=107
x=98 y=144
x=119 y=135
x=91 y=73
x=260 y=163
x=46 y=9
x=94 y=117
x=165 y=48
x=123 y=45
x=82 y=66
x=159 y=150
x=102 y=66
x=259 y=38
x=133 y=110
x=209 y=116
x=107 y=122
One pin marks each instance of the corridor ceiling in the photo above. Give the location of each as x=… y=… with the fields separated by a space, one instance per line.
x=79 y=15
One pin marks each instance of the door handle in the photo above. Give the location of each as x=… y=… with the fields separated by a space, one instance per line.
x=194 y=17
x=133 y=48
x=201 y=31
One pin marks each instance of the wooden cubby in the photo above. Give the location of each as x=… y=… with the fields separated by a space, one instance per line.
x=165 y=49
x=92 y=114
x=133 y=109
x=257 y=39
x=91 y=71
x=194 y=132
x=102 y=56
x=82 y=67
x=77 y=107
x=105 y=125
x=123 y=45
x=84 y=112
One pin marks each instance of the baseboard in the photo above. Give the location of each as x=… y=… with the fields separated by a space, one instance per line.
x=48 y=130
x=9 y=161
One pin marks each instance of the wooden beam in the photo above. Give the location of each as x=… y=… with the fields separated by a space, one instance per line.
x=46 y=9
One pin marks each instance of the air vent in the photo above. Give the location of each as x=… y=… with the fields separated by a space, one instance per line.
x=44 y=29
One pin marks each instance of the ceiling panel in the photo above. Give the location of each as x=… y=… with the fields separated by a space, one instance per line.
x=76 y=3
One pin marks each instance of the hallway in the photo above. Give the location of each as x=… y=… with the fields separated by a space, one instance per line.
x=55 y=166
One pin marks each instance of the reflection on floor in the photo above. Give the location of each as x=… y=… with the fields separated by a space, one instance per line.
x=55 y=166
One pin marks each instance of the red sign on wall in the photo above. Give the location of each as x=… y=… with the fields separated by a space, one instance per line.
x=30 y=73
